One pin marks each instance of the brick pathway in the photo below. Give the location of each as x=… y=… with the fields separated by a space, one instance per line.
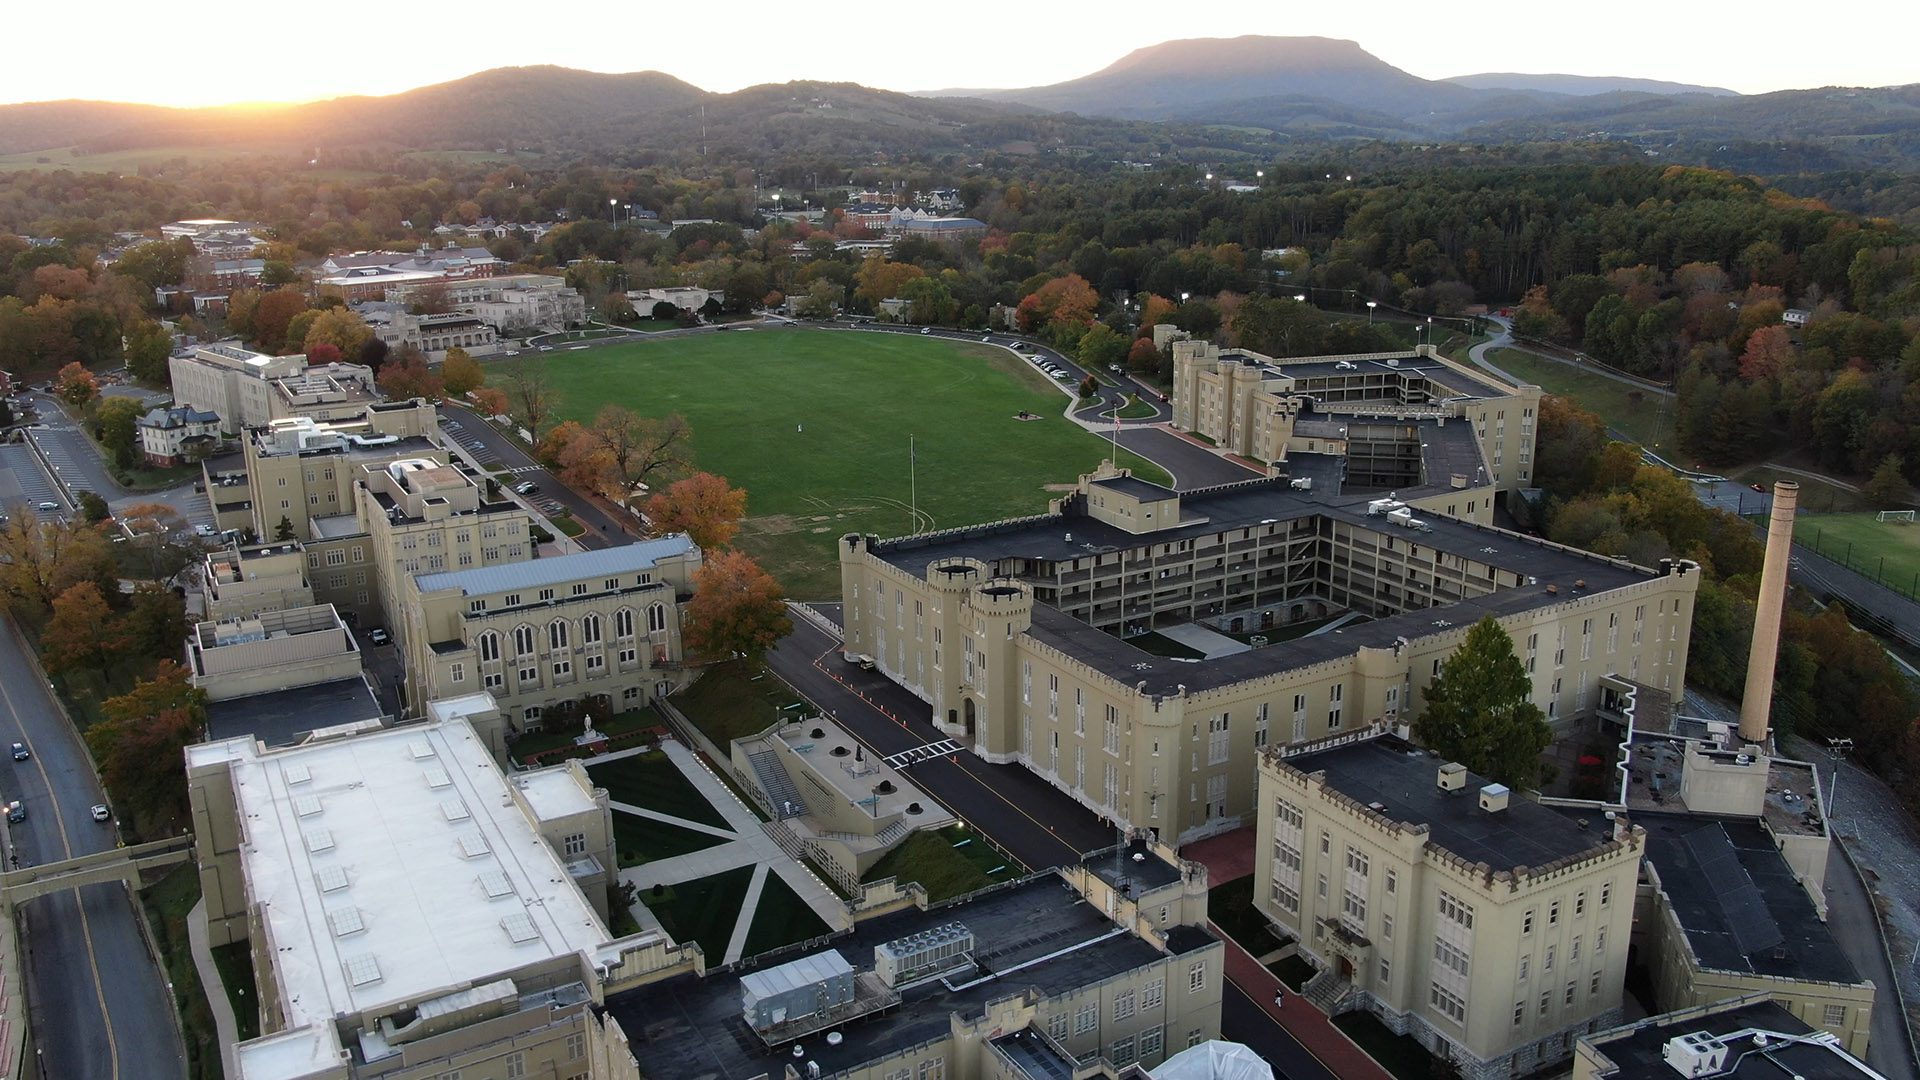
x=1229 y=857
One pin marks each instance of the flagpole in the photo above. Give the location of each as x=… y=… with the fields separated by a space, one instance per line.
x=913 y=485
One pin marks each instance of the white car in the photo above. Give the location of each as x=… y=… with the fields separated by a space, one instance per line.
x=206 y=530
x=379 y=636
x=100 y=812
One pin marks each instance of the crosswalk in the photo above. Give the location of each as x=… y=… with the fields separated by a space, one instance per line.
x=923 y=753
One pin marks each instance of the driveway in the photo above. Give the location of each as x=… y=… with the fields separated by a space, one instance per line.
x=494 y=449
x=97 y=1002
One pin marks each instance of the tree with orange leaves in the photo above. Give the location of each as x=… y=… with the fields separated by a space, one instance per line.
x=703 y=506
x=736 y=608
x=1064 y=306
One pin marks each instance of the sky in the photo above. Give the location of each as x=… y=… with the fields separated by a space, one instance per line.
x=211 y=52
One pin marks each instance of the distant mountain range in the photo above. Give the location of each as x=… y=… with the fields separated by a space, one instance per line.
x=1200 y=98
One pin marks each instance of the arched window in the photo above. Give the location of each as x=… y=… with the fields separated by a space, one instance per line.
x=656 y=617
x=623 y=623
x=523 y=640
x=557 y=634
x=489 y=646
x=590 y=629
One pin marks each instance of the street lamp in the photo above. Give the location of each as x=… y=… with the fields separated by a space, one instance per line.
x=613 y=207
x=1299 y=298
x=1259 y=174
x=1371 y=304
x=1184 y=296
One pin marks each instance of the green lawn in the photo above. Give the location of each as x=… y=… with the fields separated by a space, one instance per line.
x=1888 y=552
x=639 y=840
x=653 y=781
x=702 y=910
x=814 y=424
x=1230 y=906
x=1816 y=496
x=1644 y=416
x=941 y=868
x=736 y=699
x=781 y=919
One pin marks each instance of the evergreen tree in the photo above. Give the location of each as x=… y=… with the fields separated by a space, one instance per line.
x=284 y=530
x=1887 y=489
x=1478 y=711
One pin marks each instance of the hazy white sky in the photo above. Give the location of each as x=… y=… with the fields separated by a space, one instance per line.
x=205 y=52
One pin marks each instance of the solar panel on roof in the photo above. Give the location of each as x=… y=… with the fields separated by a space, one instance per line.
x=306 y=805
x=455 y=810
x=519 y=928
x=474 y=845
x=297 y=774
x=319 y=840
x=495 y=883
x=362 y=970
x=1753 y=926
x=331 y=878
x=346 y=921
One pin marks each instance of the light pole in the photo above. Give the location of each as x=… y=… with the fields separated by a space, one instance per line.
x=1299 y=298
x=613 y=207
x=1371 y=304
x=1836 y=749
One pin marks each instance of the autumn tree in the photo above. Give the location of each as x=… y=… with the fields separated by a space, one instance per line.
x=75 y=385
x=160 y=537
x=639 y=448
x=882 y=279
x=270 y=316
x=1154 y=310
x=433 y=298
x=530 y=397
x=490 y=401
x=460 y=373
x=555 y=442
x=139 y=743
x=155 y=622
x=82 y=633
x=1887 y=488
x=409 y=377
x=1480 y=713
x=703 y=506
x=149 y=346
x=39 y=560
x=1769 y=352
x=1143 y=358
x=1064 y=307
x=341 y=328
x=736 y=608
x=114 y=424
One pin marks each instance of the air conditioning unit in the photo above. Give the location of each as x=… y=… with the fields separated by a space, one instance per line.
x=1696 y=1054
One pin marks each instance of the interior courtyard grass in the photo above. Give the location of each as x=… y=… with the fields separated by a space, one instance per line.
x=651 y=780
x=639 y=840
x=781 y=919
x=814 y=424
x=703 y=910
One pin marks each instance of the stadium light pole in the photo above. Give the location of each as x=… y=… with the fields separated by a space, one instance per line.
x=1371 y=304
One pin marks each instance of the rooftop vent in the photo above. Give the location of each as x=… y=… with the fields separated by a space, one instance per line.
x=1695 y=1054
x=1453 y=776
x=1493 y=798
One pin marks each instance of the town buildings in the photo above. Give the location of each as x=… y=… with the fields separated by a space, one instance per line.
x=513 y=304
x=1396 y=420
x=171 y=436
x=247 y=389
x=411 y=910
x=433 y=335
x=1745 y=1038
x=1053 y=641
x=1491 y=928
x=368 y=275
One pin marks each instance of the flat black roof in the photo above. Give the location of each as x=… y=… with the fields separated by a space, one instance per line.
x=1036 y=1057
x=1132 y=867
x=1737 y=900
x=692 y=1026
x=1139 y=489
x=1638 y=1051
x=1440 y=374
x=284 y=717
x=1404 y=780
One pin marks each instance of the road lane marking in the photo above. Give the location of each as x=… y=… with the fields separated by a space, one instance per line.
x=66 y=850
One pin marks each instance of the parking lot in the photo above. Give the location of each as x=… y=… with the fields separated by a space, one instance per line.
x=23 y=484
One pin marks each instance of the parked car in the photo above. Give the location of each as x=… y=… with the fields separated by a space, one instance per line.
x=379 y=636
x=926 y=329
x=47 y=505
x=206 y=530
x=16 y=811
x=101 y=813
x=525 y=487
x=20 y=752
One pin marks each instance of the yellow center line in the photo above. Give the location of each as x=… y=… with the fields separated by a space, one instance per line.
x=66 y=852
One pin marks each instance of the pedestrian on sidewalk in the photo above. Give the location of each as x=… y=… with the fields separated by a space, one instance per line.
x=1279 y=998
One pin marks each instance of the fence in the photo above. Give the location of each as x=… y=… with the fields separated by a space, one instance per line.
x=1841 y=550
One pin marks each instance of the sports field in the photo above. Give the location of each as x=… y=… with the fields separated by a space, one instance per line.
x=1888 y=552
x=814 y=425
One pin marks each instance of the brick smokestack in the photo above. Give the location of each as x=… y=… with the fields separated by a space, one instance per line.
x=1757 y=703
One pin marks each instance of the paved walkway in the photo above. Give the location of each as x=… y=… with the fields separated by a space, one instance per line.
x=1229 y=857
x=225 y=1025
x=748 y=845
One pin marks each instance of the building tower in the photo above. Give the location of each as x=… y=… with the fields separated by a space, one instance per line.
x=1757 y=702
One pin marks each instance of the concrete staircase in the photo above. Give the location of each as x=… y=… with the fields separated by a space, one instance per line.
x=1328 y=991
x=776 y=783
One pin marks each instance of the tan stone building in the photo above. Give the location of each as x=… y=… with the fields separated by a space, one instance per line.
x=1491 y=928
x=249 y=389
x=414 y=913
x=1744 y=1038
x=244 y=581
x=1054 y=641
x=301 y=468
x=602 y=624
x=1399 y=421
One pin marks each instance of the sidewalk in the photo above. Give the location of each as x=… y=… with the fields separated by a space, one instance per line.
x=1229 y=857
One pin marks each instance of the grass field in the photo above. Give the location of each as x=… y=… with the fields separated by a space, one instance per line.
x=1644 y=416
x=781 y=918
x=942 y=869
x=1888 y=553
x=814 y=424
x=652 y=780
x=734 y=700
x=703 y=910
x=639 y=840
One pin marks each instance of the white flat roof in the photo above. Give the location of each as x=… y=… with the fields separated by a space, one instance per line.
x=392 y=866
x=554 y=793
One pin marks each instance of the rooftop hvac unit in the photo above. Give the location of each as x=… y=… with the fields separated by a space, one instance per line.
x=1400 y=516
x=916 y=956
x=1305 y=483
x=1696 y=1054
x=809 y=986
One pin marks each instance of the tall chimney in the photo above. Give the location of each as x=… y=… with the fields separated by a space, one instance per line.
x=1757 y=703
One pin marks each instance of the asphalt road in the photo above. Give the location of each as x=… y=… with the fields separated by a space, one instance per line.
x=495 y=445
x=1242 y=1020
x=98 y=1005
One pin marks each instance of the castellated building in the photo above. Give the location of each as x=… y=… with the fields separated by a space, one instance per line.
x=1137 y=646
